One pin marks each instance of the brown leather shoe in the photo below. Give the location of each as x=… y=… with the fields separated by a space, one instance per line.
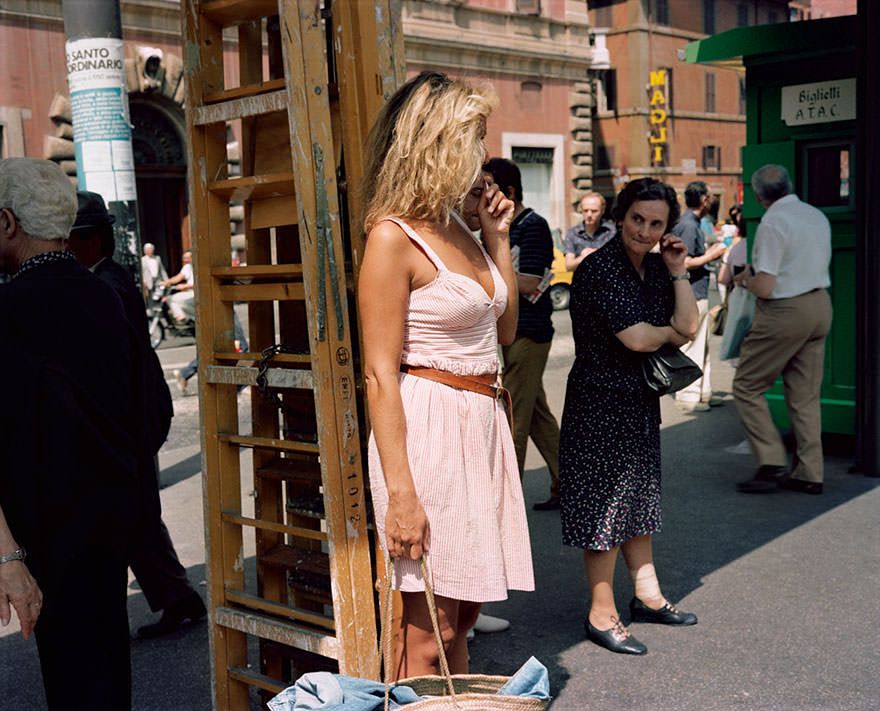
x=765 y=480
x=804 y=487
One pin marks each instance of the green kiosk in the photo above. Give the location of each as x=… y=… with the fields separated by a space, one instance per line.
x=801 y=113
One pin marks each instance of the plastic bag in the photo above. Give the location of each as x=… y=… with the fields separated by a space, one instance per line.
x=740 y=312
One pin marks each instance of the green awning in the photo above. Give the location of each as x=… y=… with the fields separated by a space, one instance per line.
x=786 y=37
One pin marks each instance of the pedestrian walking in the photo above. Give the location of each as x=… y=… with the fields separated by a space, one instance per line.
x=153 y=559
x=698 y=397
x=789 y=276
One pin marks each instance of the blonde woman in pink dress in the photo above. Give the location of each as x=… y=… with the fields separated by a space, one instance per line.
x=434 y=304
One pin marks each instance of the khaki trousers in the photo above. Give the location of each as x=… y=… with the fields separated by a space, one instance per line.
x=523 y=376
x=787 y=338
x=698 y=351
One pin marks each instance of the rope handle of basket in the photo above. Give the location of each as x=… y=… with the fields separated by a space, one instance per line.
x=387 y=659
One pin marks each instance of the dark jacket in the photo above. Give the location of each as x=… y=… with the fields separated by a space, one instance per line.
x=71 y=415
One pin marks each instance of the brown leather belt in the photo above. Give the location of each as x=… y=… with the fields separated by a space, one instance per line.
x=482 y=384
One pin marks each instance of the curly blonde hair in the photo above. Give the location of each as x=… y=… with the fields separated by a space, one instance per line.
x=425 y=150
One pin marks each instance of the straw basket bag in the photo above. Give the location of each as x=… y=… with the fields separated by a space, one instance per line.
x=459 y=692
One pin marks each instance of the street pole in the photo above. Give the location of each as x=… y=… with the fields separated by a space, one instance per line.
x=101 y=119
x=867 y=250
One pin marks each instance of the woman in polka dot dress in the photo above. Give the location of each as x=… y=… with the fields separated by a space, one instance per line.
x=625 y=302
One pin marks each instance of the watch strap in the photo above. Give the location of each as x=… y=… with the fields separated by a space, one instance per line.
x=18 y=554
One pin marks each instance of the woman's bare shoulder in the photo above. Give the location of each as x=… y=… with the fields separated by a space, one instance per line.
x=387 y=234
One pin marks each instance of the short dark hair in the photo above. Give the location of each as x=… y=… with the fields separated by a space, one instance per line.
x=104 y=233
x=695 y=192
x=506 y=175
x=646 y=189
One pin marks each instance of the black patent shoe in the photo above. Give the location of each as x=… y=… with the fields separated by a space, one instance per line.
x=617 y=639
x=190 y=609
x=666 y=615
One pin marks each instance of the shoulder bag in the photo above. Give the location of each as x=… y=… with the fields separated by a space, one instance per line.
x=668 y=370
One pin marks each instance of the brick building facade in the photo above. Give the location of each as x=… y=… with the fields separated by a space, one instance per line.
x=658 y=116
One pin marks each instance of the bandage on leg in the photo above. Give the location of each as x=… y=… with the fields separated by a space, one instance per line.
x=646 y=584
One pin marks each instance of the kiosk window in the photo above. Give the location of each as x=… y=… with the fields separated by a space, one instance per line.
x=829 y=175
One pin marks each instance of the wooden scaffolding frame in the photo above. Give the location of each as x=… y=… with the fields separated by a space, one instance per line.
x=290 y=561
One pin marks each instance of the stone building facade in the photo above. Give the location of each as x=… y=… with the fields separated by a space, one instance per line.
x=536 y=54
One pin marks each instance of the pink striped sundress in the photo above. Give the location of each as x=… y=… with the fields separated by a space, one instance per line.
x=460 y=450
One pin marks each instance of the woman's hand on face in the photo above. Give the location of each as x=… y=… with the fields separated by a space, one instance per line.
x=674 y=252
x=495 y=211
x=407 y=531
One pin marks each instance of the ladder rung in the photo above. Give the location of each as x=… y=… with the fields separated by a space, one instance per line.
x=263 y=525
x=296 y=378
x=297 y=559
x=250 y=356
x=279 y=610
x=253 y=187
x=261 y=681
x=311 y=506
x=244 y=275
x=250 y=90
x=278 y=445
x=228 y=13
x=286 y=291
x=289 y=469
x=240 y=108
x=307 y=570
x=279 y=631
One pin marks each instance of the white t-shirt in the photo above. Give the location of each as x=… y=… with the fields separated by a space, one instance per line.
x=187 y=271
x=793 y=242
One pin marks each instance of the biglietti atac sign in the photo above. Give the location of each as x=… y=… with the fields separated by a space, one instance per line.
x=819 y=102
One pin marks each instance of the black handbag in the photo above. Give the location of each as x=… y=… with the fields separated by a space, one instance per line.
x=668 y=370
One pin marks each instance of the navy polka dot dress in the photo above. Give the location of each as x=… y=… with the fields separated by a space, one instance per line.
x=609 y=449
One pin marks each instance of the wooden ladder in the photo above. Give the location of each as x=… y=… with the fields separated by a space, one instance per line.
x=290 y=562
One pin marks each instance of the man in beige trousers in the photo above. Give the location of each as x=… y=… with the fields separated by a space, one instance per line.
x=789 y=277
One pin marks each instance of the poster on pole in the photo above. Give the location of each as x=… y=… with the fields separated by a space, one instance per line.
x=101 y=122
x=102 y=134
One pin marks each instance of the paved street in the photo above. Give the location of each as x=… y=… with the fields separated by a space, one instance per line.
x=785 y=585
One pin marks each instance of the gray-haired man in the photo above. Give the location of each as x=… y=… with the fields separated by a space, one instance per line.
x=69 y=430
x=789 y=275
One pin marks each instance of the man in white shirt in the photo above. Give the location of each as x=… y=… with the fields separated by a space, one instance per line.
x=182 y=302
x=152 y=268
x=789 y=277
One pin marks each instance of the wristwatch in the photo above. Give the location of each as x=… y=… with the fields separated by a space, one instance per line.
x=680 y=277
x=19 y=554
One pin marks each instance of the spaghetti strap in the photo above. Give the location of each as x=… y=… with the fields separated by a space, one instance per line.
x=414 y=236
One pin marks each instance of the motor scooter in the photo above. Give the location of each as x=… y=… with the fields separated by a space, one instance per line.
x=161 y=322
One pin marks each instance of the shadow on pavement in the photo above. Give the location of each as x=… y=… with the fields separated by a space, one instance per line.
x=171 y=672
x=181 y=470
x=707 y=525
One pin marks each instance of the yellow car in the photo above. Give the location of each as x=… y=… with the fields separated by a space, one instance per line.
x=559 y=287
